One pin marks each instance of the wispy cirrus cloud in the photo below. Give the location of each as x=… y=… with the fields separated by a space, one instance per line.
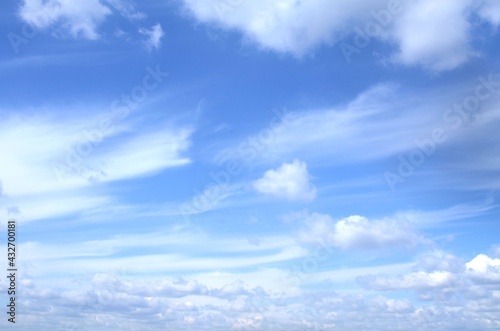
x=375 y=124
x=51 y=163
x=435 y=218
x=37 y=143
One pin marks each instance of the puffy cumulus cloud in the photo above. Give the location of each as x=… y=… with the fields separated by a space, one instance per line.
x=483 y=268
x=175 y=288
x=392 y=305
x=419 y=44
x=447 y=317
x=358 y=232
x=415 y=280
x=448 y=299
x=315 y=227
x=109 y=302
x=330 y=310
x=297 y=27
x=236 y=289
x=290 y=181
x=442 y=277
x=439 y=260
x=153 y=36
x=281 y=25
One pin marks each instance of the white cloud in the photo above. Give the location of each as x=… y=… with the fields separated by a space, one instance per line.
x=415 y=280
x=297 y=27
x=345 y=276
x=438 y=274
x=393 y=305
x=109 y=302
x=161 y=287
x=108 y=255
x=33 y=142
x=483 y=268
x=418 y=41
x=161 y=263
x=153 y=35
x=290 y=181
x=440 y=261
x=432 y=218
x=282 y=25
x=127 y=9
x=146 y=153
x=359 y=233
x=220 y=299
x=315 y=227
x=270 y=279
x=79 y=18
x=33 y=207
x=50 y=164
x=496 y=250
x=380 y=122
x=176 y=239
x=60 y=154
x=212 y=197
x=489 y=10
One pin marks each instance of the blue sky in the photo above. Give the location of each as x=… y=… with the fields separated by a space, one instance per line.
x=252 y=165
